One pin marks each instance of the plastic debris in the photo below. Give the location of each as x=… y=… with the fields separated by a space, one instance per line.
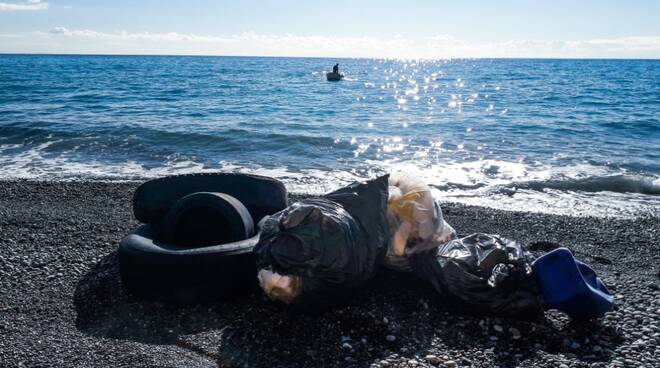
x=415 y=220
x=330 y=246
x=571 y=286
x=279 y=287
x=484 y=273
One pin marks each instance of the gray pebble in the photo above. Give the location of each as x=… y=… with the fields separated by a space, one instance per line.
x=433 y=359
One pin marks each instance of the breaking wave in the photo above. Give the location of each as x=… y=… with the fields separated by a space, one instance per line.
x=613 y=183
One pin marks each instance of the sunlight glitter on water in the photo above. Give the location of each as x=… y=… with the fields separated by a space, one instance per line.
x=452 y=117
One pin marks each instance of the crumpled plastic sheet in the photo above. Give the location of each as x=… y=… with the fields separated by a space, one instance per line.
x=485 y=273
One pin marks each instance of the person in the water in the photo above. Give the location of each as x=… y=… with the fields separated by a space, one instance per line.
x=335 y=69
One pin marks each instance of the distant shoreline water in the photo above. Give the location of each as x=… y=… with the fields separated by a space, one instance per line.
x=566 y=136
x=330 y=58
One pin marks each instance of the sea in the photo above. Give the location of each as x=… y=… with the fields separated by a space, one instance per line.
x=572 y=137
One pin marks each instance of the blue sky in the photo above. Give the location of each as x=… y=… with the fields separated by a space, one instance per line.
x=367 y=28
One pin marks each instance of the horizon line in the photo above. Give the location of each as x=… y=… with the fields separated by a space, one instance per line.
x=328 y=57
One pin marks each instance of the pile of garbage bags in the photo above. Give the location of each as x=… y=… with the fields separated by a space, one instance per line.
x=318 y=251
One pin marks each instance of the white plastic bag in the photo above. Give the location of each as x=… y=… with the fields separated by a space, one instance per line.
x=279 y=287
x=415 y=219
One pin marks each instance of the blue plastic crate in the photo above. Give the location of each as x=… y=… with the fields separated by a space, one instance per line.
x=571 y=286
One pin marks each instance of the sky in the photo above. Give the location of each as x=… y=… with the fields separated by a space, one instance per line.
x=367 y=28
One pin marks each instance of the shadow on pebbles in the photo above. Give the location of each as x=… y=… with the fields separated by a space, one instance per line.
x=396 y=322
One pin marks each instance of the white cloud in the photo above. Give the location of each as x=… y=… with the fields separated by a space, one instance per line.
x=59 y=30
x=63 y=40
x=30 y=5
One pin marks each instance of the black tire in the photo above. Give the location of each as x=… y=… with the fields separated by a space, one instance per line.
x=204 y=218
x=165 y=272
x=262 y=196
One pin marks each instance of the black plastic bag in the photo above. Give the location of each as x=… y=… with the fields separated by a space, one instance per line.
x=484 y=273
x=317 y=251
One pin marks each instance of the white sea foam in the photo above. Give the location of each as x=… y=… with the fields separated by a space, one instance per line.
x=571 y=190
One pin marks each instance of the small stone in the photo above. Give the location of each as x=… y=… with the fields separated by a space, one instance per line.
x=597 y=348
x=346 y=346
x=433 y=359
x=384 y=363
x=575 y=345
x=498 y=328
x=385 y=320
x=390 y=338
x=450 y=363
x=515 y=333
x=493 y=338
x=563 y=366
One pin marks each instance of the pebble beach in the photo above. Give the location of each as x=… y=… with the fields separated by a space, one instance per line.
x=62 y=302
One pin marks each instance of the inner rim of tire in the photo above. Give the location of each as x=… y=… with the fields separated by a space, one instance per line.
x=204 y=226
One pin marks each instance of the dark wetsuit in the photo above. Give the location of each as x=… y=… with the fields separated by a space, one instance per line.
x=335 y=69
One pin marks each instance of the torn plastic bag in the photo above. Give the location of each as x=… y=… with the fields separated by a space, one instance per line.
x=317 y=251
x=279 y=287
x=415 y=220
x=484 y=273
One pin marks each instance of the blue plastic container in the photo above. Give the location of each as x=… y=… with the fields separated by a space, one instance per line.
x=571 y=286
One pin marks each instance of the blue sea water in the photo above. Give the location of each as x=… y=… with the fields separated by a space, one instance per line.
x=578 y=137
